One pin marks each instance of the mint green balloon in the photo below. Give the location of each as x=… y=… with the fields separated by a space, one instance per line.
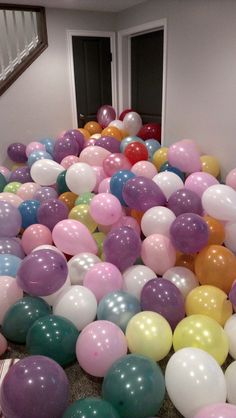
x=91 y=408
x=135 y=386
x=84 y=198
x=12 y=187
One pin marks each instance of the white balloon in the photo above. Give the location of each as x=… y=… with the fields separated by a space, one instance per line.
x=132 y=123
x=168 y=182
x=79 y=265
x=157 y=220
x=119 y=124
x=135 y=277
x=95 y=136
x=219 y=201
x=230 y=329
x=45 y=172
x=193 y=380
x=230 y=378
x=183 y=278
x=51 y=299
x=230 y=236
x=80 y=178
x=78 y=304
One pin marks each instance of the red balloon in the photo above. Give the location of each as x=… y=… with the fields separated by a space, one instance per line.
x=150 y=131
x=136 y=152
x=122 y=115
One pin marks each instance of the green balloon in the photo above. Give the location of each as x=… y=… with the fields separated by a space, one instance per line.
x=91 y=408
x=135 y=386
x=84 y=198
x=12 y=187
x=55 y=337
x=20 y=316
x=3 y=182
x=99 y=238
x=61 y=183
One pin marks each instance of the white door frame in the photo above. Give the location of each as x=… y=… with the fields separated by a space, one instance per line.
x=124 y=64
x=101 y=34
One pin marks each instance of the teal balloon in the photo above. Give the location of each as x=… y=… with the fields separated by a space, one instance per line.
x=135 y=386
x=21 y=316
x=61 y=183
x=3 y=182
x=91 y=408
x=118 y=307
x=55 y=337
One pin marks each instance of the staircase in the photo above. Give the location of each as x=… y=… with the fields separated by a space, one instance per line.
x=23 y=37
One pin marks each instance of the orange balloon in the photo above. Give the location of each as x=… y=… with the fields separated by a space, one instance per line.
x=216 y=231
x=85 y=132
x=216 y=265
x=185 y=260
x=113 y=131
x=69 y=199
x=93 y=127
x=137 y=215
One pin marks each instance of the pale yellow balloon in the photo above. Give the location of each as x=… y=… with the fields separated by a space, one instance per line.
x=210 y=165
x=210 y=301
x=201 y=331
x=149 y=334
x=81 y=213
x=160 y=157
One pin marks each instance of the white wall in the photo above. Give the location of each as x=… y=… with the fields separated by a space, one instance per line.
x=201 y=71
x=38 y=104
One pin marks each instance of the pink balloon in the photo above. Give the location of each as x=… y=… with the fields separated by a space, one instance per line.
x=105 y=209
x=158 y=253
x=34 y=236
x=128 y=221
x=103 y=278
x=100 y=175
x=5 y=172
x=144 y=169
x=3 y=344
x=11 y=198
x=72 y=237
x=69 y=160
x=198 y=182
x=220 y=410
x=94 y=155
x=34 y=146
x=115 y=162
x=99 y=345
x=231 y=179
x=9 y=294
x=104 y=186
x=27 y=190
x=185 y=156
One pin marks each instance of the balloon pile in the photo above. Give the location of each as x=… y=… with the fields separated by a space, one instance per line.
x=113 y=250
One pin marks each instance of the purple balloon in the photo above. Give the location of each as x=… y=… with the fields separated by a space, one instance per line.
x=42 y=272
x=141 y=193
x=232 y=294
x=185 y=201
x=10 y=220
x=218 y=410
x=11 y=246
x=110 y=143
x=122 y=247
x=189 y=233
x=45 y=193
x=75 y=134
x=16 y=152
x=65 y=146
x=105 y=115
x=51 y=212
x=162 y=296
x=21 y=174
x=35 y=387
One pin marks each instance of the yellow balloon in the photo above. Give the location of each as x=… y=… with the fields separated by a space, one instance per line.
x=149 y=334
x=210 y=165
x=160 y=157
x=210 y=301
x=81 y=213
x=202 y=332
x=99 y=238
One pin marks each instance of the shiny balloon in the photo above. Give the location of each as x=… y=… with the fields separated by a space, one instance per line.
x=51 y=212
x=117 y=183
x=11 y=246
x=89 y=407
x=45 y=193
x=183 y=278
x=9 y=265
x=29 y=210
x=150 y=130
x=10 y=220
x=21 y=174
x=189 y=233
x=17 y=152
x=141 y=193
x=185 y=201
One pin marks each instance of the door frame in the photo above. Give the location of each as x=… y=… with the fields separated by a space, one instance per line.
x=98 y=34
x=124 y=64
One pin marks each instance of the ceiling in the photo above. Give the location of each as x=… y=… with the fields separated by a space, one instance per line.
x=91 y=5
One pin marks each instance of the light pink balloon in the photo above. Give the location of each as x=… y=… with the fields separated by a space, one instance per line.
x=105 y=209
x=9 y=294
x=35 y=235
x=69 y=160
x=158 y=253
x=127 y=221
x=5 y=172
x=104 y=186
x=72 y=237
x=231 y=179
x=144 y=169
x=198 y=182
x=220 y=410
x=99 y=345
x=185 y=156
x=103 y=278
x=27 y=190
x=11 y=198
x=34 y=146
x=3 y=344
x=94 y=155
x=100 y=175
x=115 y=162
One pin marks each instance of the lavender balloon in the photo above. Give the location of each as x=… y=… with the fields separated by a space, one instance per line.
x=21 y=174
x=122 y=247
x=185 y=201
x=110 y=143
x=105 y=115
x=162 y=296
x=42 y=272
x=11 y=246
x=35 y=387
x=75 y=134
x=10 y=220
x=51 y=212
x=189 y=233
x=45 y=193
x=16 y=152
x=141 y=193
x=65 y=146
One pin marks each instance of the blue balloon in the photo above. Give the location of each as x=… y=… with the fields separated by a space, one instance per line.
x=117 y=183
x=152 y=146
x=167 y=167
x=38 y=155
x=128 y=140
x=49 y=144
x=9 y=265
x=28 y=210
x=118 y=307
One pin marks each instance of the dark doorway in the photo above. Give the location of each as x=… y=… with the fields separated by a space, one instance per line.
x=92 y=69
x=147 y=75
